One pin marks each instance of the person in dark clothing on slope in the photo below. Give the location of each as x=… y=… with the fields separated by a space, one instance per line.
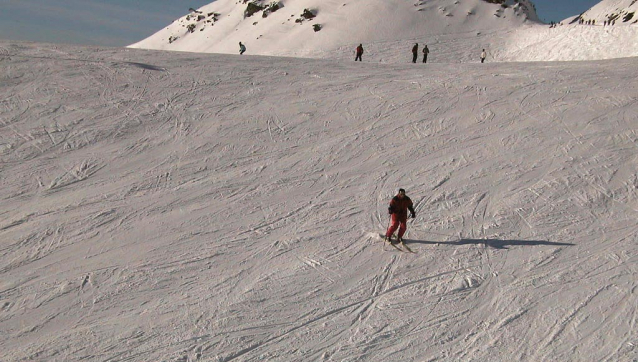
x=242 y=48
x=415 y=52
x=426 y=51
x=399 y=206
x=359 y=53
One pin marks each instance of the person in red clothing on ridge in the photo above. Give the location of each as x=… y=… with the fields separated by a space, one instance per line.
x=359 y=52
x=399 y=206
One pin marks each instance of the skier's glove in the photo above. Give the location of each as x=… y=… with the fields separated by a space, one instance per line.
x=390 y=211
x=413 y=215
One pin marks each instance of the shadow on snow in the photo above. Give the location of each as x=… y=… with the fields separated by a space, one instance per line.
x=146 y=66
x=135 y=64
x=492 y=243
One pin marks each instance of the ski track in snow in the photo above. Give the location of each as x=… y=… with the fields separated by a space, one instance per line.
x=188 y=207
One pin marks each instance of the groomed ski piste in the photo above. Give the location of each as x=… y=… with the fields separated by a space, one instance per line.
x=164 y=206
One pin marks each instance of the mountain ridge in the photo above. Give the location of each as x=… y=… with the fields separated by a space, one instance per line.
x=617 y=12
x=308 y=27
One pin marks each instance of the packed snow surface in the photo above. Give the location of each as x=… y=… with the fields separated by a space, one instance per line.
x=165 y=206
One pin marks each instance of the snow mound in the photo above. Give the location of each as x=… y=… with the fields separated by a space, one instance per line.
x=568 y=43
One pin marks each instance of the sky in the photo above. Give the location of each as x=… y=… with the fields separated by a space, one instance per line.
x=123 y=22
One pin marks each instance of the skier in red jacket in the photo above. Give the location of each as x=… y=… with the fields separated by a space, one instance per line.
x=359 y=52
x=399 y=206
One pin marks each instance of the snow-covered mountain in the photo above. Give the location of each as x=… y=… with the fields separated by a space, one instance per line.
x=318 y=27
x=618 y=12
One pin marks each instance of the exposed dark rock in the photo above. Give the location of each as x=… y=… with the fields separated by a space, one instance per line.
x=271 y=8
x=628 y=17
x=251 y=9
x=307 y=14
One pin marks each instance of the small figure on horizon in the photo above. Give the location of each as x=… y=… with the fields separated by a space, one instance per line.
x=359 y=53
x=483 y=56
x=242 y=48
x=415 y=52
x=426 y=51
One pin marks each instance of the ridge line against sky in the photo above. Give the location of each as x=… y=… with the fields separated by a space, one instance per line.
x=123 y=22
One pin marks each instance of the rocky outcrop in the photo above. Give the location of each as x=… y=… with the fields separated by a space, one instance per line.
x=196 y=19
x=252 y=8
x=306 y=15
x=271 y=8
x=525 y=7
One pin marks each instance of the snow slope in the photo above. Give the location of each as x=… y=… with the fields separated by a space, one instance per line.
x=164 y=206
x=221 y=25
x=621 y=11
x=567 y=43
x=455 y=31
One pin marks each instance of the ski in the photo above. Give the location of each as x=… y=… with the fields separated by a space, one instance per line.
x=407 y=248
x=395 y=245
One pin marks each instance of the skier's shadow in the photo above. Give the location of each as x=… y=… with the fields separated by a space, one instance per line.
x=146 y=66
x=492 y=243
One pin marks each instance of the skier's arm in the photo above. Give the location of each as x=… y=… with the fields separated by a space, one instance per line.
x=412 y=213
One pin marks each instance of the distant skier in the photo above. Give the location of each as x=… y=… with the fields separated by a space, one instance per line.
x=399 y=206
x=483 y=56
x=426 y=51
x=359 y=53
x=415 y=52
x=242 y=48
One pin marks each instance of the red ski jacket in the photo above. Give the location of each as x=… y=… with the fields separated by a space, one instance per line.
x=400 y=207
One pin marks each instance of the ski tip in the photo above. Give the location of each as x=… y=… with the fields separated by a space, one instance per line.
x=409 y=250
